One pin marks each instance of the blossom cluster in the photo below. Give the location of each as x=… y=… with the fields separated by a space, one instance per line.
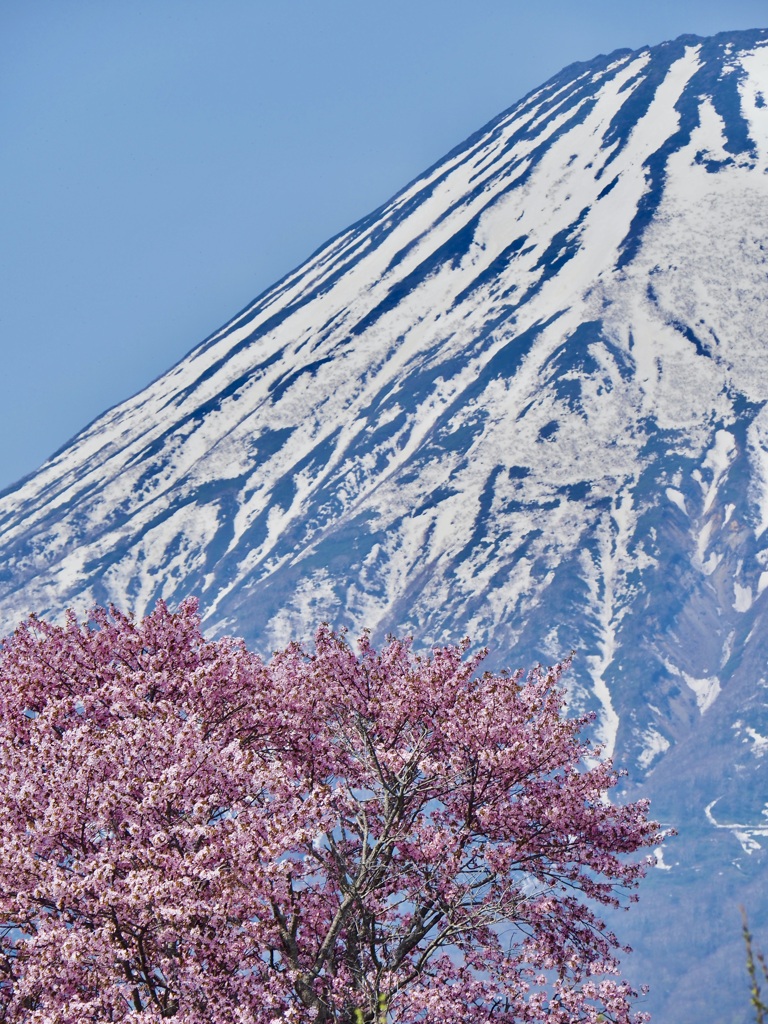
x=338 y=834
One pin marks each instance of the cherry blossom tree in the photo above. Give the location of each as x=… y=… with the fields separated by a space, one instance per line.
x=338 y=835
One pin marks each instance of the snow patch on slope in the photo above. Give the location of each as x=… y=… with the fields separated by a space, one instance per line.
x=706 y=690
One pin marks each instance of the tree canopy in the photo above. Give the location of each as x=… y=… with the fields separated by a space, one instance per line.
x=339 y=834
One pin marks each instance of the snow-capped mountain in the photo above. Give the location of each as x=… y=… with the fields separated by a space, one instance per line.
x=524 y=400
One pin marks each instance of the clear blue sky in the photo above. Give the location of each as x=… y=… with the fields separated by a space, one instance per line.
x=164 y=161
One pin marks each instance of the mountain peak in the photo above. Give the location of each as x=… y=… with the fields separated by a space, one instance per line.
x=525 y=399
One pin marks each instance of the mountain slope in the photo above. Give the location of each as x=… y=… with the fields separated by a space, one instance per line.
x=525 y=399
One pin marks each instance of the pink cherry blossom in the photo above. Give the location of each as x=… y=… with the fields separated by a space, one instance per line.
x=337 y=835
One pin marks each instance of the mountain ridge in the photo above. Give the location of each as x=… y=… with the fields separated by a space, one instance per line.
x=525 y=399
